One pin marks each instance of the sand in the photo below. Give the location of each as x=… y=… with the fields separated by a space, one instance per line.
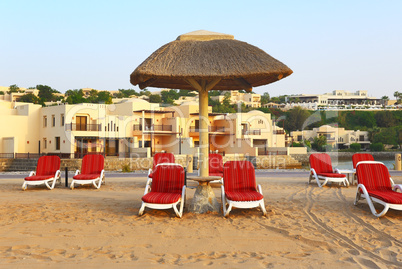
x=306 y=226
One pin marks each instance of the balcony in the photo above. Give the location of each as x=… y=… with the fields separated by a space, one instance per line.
x=153 y=128
x=212 y=129
x=252 y=132
x=83 y=127
x=278 y=132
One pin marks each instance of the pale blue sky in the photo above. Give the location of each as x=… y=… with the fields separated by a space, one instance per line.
x=343 y=45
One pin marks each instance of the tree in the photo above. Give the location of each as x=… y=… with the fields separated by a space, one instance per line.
x=319 y=143
x=46 y=93
x=295 y=119
x=104 y=97
x=75 y=96
x=168 y=97
x=377 y=147
x=1 y=93
x=13 y=88
x=29 y=98
x=355 y=147
x=155 y=98
x=386 y=136
x=385 y=119
x=265 y=98
x=125 y=93
x=398 y=96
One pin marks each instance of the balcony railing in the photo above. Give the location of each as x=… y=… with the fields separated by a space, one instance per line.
x=83 y=127
x=252 y=132
x=215 y=129
x=153 y=127
x=277 y=132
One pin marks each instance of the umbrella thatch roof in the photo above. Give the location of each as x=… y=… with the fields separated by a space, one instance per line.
x=207 y=56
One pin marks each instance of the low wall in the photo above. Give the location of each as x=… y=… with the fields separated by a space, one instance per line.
x=304 y=158
x=5 y=163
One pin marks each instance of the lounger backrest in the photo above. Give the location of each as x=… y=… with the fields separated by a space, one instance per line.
x=92 y=164
x=162 y=158
x=239 y=176
x=215 y=163
x=358 y=157
x=374 y=176
x=321 y=163
x=47 y=165
x=168 y=178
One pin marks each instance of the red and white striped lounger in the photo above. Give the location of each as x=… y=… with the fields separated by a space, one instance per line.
x=167 y=190
x=47 y=171
x=321 y=169
x=92 y=171
x=376 y=185
x=239 y=187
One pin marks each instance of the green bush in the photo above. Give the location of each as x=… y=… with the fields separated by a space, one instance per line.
x=377 y=147
x=125 y=168
x=355 y=147
x=1 y=93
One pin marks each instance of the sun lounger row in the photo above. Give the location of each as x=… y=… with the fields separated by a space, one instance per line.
x=166 y=188
x=374 y=181
x=48 y=172
x=166 y=184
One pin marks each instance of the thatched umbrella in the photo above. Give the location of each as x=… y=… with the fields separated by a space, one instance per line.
x=205 y=61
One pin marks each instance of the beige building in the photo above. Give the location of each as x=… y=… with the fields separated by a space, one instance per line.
x=336 y=137
x=337 y=97
x=131 y=128
x=236 y=97
x=20 y=129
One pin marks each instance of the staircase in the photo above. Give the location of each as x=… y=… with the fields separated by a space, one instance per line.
x=22 y=165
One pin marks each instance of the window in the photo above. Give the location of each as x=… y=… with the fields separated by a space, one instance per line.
x=57 y=143
x=44 y=121
x=53 y=121
x=361 y=137
x=44 y=143
x=62 y=120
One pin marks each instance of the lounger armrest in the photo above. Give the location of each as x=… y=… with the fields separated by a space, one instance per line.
x=148 y=186
x=183 y=192
x=397 y=187
x=312 y=170
x=363 y=188
x=77 y=172
x=57 y=174
x=259 y=189
x=223 y=193
x=102 y=173
x=149 y=172
x=32 y=173
x=336 y=171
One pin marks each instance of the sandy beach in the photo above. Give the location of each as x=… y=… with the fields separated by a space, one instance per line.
x=306 y=226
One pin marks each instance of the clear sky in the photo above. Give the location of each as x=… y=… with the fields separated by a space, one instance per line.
x=329 y=45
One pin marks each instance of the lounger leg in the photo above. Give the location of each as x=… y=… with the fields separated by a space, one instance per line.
x=54 y=183
x=262 y=205
x=228 y=209
x=72 y=185
x=175 y=209
x=24 y=186
x=141 y=209
x=47 y=185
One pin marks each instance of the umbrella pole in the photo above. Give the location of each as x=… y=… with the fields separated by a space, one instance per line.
x=204 y=140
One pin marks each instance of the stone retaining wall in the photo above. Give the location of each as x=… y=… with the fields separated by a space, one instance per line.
x=5 y=163
x=304 y=158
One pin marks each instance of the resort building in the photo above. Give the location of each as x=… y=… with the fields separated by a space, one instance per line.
x=337 y=97
x=133 y=128
x=236 y=97
x=336 y=137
